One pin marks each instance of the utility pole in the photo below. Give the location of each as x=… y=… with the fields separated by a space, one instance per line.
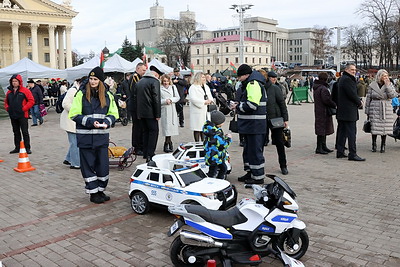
x=241 y=9
x=338 y=29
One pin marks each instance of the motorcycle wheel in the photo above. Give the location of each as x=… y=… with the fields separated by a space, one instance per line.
x=177 y=251
x=303 y=245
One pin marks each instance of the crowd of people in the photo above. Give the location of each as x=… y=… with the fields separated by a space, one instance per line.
x=156 y=99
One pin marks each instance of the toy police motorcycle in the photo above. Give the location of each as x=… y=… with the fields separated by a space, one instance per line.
x=243 y=234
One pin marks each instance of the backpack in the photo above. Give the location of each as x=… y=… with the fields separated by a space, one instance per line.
x=59 y=107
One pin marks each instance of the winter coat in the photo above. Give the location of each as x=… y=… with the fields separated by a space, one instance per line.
x=180 y=86
x=322 y=101
x=37 y=94
x=215 y=144
x=65 y=122
x=198 y=109
x=361 y=88
x=148 y=97
x=276 y=106
x=169 y=118
x=347 y=99
x=378 y=106
x=18 y=103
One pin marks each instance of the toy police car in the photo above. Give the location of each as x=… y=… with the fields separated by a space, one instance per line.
x=194 y=153
x=173 y=182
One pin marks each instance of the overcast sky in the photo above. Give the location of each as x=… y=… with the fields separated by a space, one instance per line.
x=101 y=23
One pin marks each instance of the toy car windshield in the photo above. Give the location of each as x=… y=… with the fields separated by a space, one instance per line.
x=192 y=177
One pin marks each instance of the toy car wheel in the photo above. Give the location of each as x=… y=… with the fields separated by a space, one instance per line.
x=139 y=203
x=124 y=121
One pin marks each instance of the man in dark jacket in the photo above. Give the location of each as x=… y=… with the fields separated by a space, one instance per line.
x=18 y=101
x=137 y=129
x=149 y=109
x=252 y=119
x=125 y=93
x=38 y=96
x=180 y=84
x=348 y=104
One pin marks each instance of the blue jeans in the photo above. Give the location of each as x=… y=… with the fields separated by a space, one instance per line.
x=35 y=112
x=73 y=151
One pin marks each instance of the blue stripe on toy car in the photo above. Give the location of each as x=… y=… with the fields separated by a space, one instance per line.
x=284 y=219
x=166 y=188
x=208 y=231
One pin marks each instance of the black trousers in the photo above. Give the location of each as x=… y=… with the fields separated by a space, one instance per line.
x=18 y=126
x=94 y=168
x=150 y=136
x=347 y=130
x=277 y=140
x=137 y=132
x=217 y=171
x=179 y=111
x=253 y=155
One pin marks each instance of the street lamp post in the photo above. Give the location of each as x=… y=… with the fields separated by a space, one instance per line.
x=338 y=28
x=241 y=9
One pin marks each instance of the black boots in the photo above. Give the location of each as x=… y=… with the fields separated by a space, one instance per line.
x=374 y=143
x=168 y=147
x=99 y=197
x=319 y=149
x=324 y=147
x=383 y=143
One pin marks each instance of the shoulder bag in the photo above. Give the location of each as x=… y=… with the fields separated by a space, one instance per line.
x=277 y=123
x=233 y=125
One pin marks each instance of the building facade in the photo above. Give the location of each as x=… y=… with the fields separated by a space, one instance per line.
x=217 y=54
x=37 y=29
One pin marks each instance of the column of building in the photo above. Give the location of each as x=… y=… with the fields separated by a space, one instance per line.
x=15 y=41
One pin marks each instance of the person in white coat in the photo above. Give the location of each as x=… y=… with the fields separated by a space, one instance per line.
x=72 y=157
x=169 y=119
x=199 y=98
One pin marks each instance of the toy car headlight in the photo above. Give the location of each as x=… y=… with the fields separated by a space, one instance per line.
x=210 y=195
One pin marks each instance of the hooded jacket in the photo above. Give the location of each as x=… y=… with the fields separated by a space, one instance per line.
x=18 y=103
x=252 y=108
x=215 y=144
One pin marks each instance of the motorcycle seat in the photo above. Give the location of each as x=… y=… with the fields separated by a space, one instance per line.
x=225 y=218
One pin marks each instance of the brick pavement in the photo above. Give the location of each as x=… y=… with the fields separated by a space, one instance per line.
x=46 y=219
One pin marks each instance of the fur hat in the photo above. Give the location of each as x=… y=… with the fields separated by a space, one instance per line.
x=217 y=117
x=31 y=81
x=98 y=73
x=154 y=68
x=244 y=69
x=272 y=74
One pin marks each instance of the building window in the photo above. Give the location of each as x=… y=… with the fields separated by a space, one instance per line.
x=254 y=60
x=259 y=50
x=198 y=51
x=237 y=49
x=46 y=57
x=217 y=61
x=227 y=60
x=208 y=50
x=208 y=61
x=236 y=60
x=259 y=61
x=198 y=61
x=46 y=42
x=227 y=49
x=254 y=49
x=245 y=60
x=198 y=35
x=266 y=50
x=29 y=41
x=30 y=55
x=246 y=49
x=266 y=60
x=290 y=58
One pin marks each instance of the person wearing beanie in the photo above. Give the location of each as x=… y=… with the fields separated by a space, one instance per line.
x=216 y=144
x=94 y=111
x=252 y=123
x=38 y=96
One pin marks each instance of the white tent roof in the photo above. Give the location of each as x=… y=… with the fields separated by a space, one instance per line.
x=28 y=69
x=161 y=66
x=82 y=69
x=116 y=63
x=137 y=61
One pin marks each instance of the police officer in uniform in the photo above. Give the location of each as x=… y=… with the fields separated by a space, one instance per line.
x=252 y=123
x=94 y=111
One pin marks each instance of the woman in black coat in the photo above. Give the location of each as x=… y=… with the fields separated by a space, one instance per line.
x=323 y=119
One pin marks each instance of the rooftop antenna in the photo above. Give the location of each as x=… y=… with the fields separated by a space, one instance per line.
x=187 y=7
x=157 y=4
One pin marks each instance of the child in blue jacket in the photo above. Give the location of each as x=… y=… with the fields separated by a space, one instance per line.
x=216 y=145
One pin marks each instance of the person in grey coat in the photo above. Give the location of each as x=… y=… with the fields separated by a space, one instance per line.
x=169 y=119
x=378 y=108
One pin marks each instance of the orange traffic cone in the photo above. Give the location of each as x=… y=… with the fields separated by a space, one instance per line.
x=1 y=160
x=23 y=161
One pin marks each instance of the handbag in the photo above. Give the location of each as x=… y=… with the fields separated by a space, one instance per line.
x=211 y=107
x=233 y=125
x=277 y=123
x=42 y=109
x=367 y=126
x=331 y=111
x=287 y=137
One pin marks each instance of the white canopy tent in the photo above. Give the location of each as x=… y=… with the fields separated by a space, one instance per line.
x=137 y=61
x=28 y=69
x=161 y=66
x=82 y=69
x=116 y=63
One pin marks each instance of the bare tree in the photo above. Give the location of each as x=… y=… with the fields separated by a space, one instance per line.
x=382 y=13
x=360 y=45
x=321 y=38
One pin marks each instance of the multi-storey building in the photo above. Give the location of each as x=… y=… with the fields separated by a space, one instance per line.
x=37 y=29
